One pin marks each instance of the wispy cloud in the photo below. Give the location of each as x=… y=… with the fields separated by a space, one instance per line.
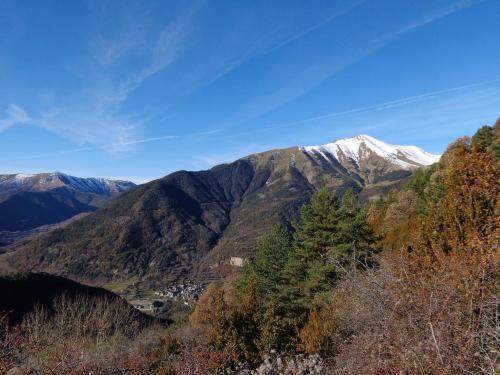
x=382 y=106
x=109 y=50
x=15 y=116
x=209 y=132
x=444 y=118
x=94 y=114
x=433 y=118
x=106 y=147
x=165 y=52
x=120 y=146
x=433 y=16
x=260 y=46
x=336 y=14
x=352 y=51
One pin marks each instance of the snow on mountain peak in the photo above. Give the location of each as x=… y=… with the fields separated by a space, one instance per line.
x=358 y=147
x=44 y=181
x=20 y=177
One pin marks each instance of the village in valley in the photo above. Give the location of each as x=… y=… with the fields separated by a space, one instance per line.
x=186 y=294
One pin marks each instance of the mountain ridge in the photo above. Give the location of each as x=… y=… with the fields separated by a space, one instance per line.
x=47 y=181
x=29 y=201
x=189 y=224
x=352 y=148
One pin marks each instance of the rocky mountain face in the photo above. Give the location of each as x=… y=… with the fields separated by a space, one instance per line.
x=31 y=201
x=190 y=224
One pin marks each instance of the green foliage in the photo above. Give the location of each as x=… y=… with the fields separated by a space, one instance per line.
x=330 y=236
x=420 y=180
x=275 y=331
x=289 y=276
x=246 y=321
x=268 y=269
x=316 y=229
x=487 y=138
x=495 y=146
x=483 y=138
x=420 y=184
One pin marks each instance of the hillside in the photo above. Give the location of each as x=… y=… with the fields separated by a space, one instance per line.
x=191 y=223
x=405 y=284
x=21 y=293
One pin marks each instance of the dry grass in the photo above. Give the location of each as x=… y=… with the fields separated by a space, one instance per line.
x=86 y=335
x=396 y=320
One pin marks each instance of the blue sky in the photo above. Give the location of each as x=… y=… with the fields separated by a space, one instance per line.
x=136 y=90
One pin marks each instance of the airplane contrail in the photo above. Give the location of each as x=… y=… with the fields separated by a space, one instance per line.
x=386 y=105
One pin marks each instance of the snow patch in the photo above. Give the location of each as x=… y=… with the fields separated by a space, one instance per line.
x=20 y=177
x=99 y=186
x=356 y=148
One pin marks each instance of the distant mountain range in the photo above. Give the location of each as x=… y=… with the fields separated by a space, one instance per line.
x=28 y=202
x=189 y=224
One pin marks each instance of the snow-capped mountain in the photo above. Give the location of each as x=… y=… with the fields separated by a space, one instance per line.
x=358 y=149
x=28 y=201
x=47 y=181
x=192 y=220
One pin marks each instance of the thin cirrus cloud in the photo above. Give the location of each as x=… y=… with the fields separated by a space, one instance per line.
x=15 y=115
x=437 y=119
x=256 y=49
x=165 y=52
x=327 y=20
x=120 y=145
x=93 y=114
x=307 y=78
x=109 y=146
x=385 y=105
x=435 y=15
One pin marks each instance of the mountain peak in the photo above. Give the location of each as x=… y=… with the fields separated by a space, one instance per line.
x=29 y=201
x=47 y=181
x=362 y=147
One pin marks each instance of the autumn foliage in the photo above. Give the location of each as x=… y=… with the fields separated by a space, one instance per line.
x=404 y=285
x=426 y=304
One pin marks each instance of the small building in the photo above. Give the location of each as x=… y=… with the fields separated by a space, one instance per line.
x=237 y=261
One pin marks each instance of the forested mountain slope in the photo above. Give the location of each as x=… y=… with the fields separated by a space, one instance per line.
x=192 y=222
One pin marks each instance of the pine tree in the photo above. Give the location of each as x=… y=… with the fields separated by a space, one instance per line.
x=268 y=267
x=483 y=138
x=314 y=234
x=330 y=237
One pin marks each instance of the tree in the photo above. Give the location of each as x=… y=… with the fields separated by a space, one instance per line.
x=268 y=268
x=246 y=320
x=330 y=236
x=495 y=146
x=483 y=138
x=464 y=215
x=355 y=237
x=275 y=332
x=312 y=334
x=314 y=233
